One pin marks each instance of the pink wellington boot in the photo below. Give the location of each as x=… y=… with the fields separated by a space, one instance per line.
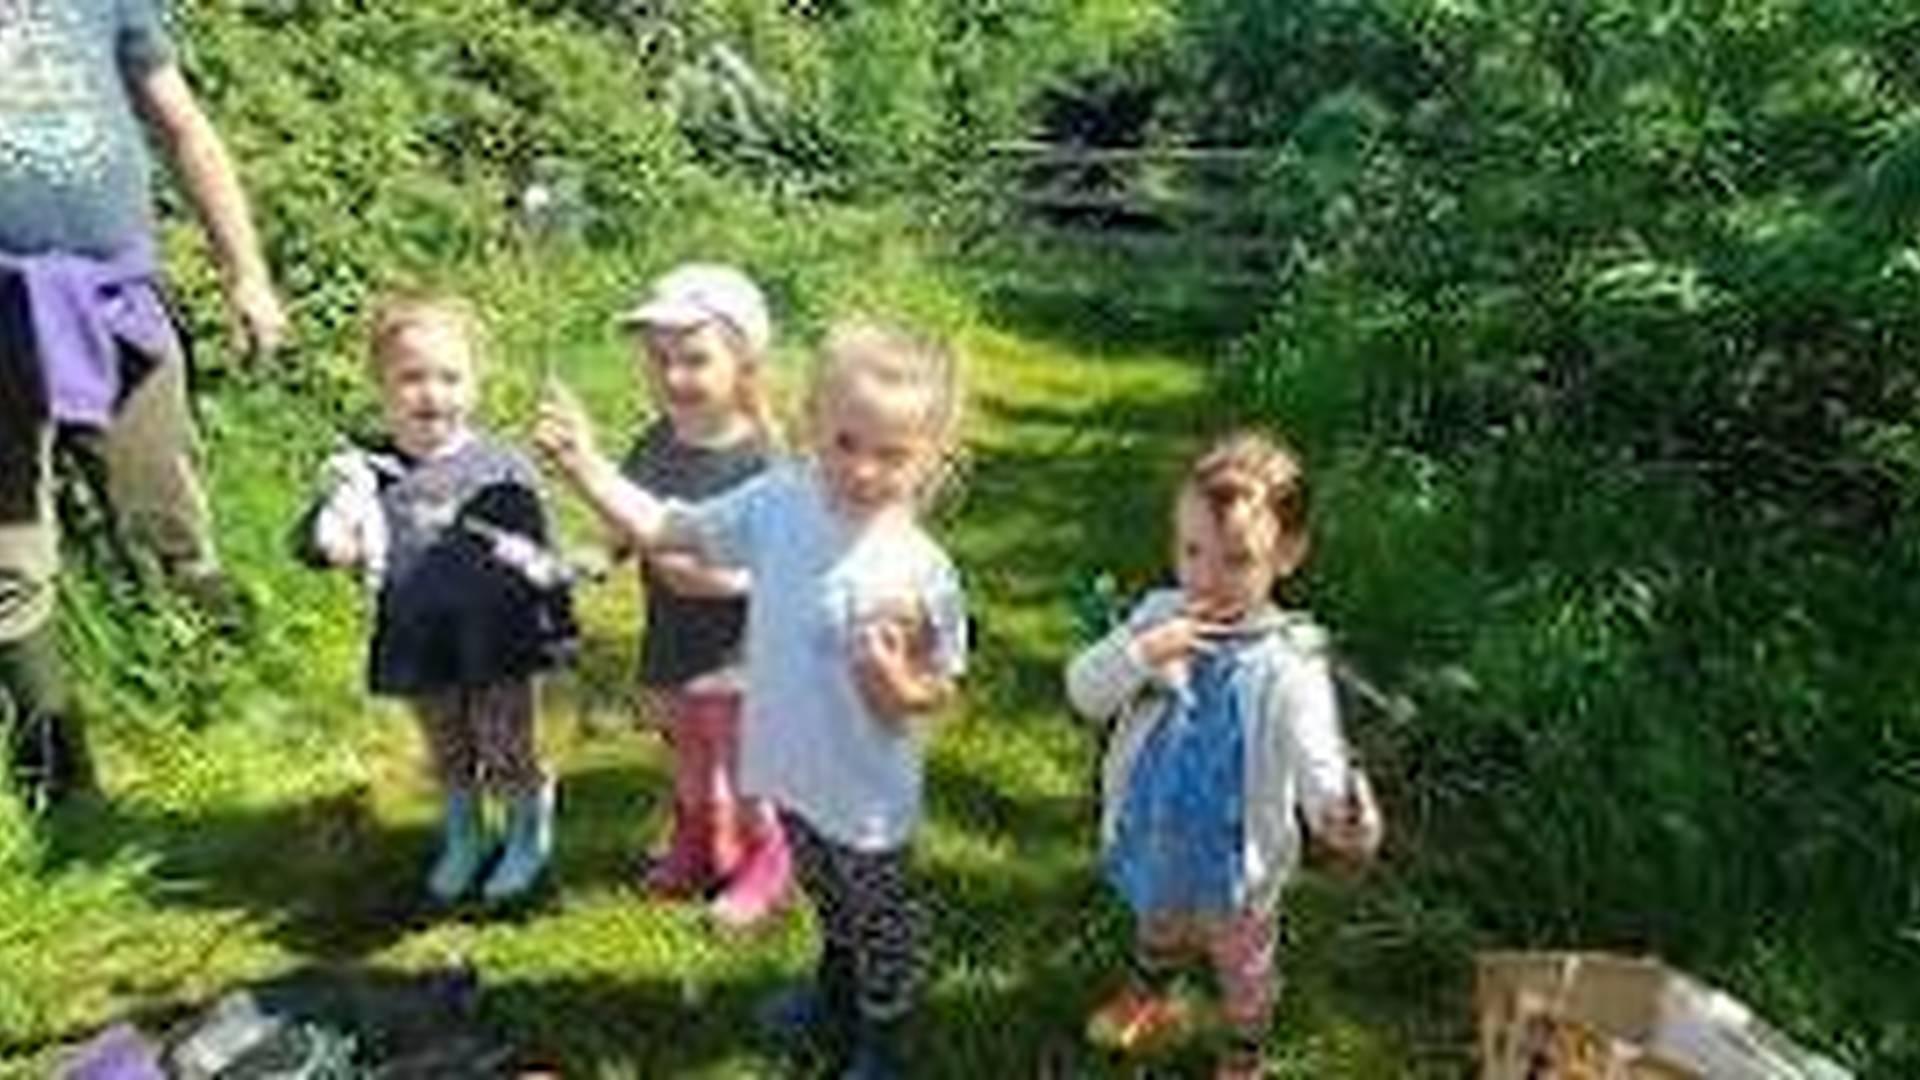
x=761 y=885
x=728 y=839
x=684 y=869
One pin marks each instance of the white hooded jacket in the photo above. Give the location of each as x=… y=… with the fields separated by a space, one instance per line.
x=1295 y=754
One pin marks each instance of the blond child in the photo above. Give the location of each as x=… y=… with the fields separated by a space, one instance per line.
x=856 y=630
x=1224 y=724
x=701 y=336
x=446 y=526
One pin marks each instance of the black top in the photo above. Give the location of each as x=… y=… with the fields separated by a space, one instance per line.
x=688 y=636
x=450 y=613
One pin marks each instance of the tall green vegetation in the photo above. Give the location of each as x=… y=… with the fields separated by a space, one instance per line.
x=1602 y=321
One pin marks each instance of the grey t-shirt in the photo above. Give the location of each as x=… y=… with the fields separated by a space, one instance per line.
x=74 y=167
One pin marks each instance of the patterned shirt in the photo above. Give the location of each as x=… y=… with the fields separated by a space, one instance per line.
x=74 y=167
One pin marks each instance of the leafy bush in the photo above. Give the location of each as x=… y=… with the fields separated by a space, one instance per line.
x=1602 y=319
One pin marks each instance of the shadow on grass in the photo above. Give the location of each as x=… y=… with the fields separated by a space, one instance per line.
x=449 y=1023
x=327 y=878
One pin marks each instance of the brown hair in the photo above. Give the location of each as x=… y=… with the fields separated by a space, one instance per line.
x=893 y=357
x=404 y=310
x=1250 y=472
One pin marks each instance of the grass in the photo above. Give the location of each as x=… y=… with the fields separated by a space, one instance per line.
x=285 y=831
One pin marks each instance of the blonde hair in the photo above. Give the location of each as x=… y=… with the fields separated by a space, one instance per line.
x=1247 y=473
x=410 y=309
x=894 y=358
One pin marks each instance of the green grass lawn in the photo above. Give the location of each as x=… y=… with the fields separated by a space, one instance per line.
x=288 y=828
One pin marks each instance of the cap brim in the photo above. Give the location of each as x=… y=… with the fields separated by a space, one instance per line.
x=665 y=313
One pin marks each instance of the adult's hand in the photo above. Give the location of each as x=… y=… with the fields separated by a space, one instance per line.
x=260 y=318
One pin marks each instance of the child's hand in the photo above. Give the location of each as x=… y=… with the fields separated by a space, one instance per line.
x=344 y=526
x=1168 y=643
x=891 y=667
x=532 y=561
x=563 y=432
x=336 y=538
x=1351 y=829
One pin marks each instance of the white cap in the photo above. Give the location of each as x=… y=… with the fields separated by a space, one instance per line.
x=695 y=293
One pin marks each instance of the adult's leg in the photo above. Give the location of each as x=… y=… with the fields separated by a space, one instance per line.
x=153 y=478
x=47 y=750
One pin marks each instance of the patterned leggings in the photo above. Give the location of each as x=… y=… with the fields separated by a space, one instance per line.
x=482 y=737
x=870 y=922
x=1240 y=948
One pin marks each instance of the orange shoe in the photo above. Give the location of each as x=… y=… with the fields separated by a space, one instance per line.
x=1134 y=1021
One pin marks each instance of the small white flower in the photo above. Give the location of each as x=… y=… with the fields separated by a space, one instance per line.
x=536 y=200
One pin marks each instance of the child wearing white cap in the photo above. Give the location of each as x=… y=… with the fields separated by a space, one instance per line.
x=701 y=336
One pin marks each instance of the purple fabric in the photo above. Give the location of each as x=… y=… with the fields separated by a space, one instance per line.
x=84 y=309
x=118 y=1053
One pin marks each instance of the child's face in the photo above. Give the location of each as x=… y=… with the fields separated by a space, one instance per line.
x=1224 y=576
x=427 y=386
x=872 y=447
x=694 y=373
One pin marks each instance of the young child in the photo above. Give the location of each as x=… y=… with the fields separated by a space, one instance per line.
x=446 y=527
x=1225 y=725
x=856 y=630
x=702 y=335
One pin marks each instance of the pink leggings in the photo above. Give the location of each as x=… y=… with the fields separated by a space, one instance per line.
x=1239 y=946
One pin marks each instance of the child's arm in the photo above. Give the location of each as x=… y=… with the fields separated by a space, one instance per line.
x=689 y=575
x=565 y=435
x=207 y=174
x=1335 y=795
x=683 y=572
x=334 y=540
x=1108 y=674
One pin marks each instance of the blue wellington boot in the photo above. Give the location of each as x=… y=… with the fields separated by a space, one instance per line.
x=529 y=846
x=463 y=848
